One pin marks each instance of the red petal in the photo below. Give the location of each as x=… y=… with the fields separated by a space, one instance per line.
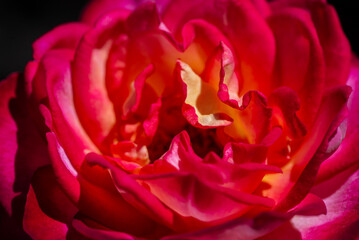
x=97 y=8
x=299 y=174
x=93 y=233
x=94 y=108
x=240 y=228
x=143 y=18
x=254 y=42
x=341 y=220
x=300 y=61
x=64 y=36
x=336 y=47
x=65 y=122
x=37 y=224
x=22 y=151
x=347 y=153
x=192 y=197
x=134 y=193
x=101 y=203
x=50 y=196
x=288 y=103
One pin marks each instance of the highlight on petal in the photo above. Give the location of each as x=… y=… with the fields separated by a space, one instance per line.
x=93 y=105
x=341 y=220
x=65 y=121
x=201 y=107
x=346 y=155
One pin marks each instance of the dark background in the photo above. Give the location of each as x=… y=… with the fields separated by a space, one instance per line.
x=22 y=22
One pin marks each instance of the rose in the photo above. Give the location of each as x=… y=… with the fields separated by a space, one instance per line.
x=132 y=86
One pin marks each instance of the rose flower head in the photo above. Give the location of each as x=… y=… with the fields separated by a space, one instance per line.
x=202 y=119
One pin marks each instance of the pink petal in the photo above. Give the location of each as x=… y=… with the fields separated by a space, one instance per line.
x=22 y=151
x=245 y=28
x=97 y=8
x=262 y=7
x=143 y=18
x=347 y=153
x=182 y=190
x=94 y=108
x=134 y=193
x=192 y=197
x=240 y=229
x=300 y=61
x=50 y=196
x=287 y=102
x=101 y=203
x=300 y=176
x=83 y=226
x=93 y=233
x=64 y=36
x=65 y=172
x=37 y=224
x=336 y=47
x=341 y=220
x=65 y=122
x=254 y=42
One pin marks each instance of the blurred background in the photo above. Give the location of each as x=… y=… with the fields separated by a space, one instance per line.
x=22 y=22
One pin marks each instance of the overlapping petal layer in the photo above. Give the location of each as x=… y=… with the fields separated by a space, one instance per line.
x=185 y=120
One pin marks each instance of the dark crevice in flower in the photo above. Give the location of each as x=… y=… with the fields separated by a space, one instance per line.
x=203 y=141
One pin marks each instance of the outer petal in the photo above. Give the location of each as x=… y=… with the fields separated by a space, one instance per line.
x=38 y=224
x=208 y=189
x=65 y=121
x=347 y=153
x=238 y=229
x=134 y=193
x=64 y=36
x=93 y=233
x=47 y=209
x=103 y=204
x=22 y=151
x=300 y=61
x=299 y=173
x=336 y=47
x=342 y=218
x=97 y=8
x=94 y=108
